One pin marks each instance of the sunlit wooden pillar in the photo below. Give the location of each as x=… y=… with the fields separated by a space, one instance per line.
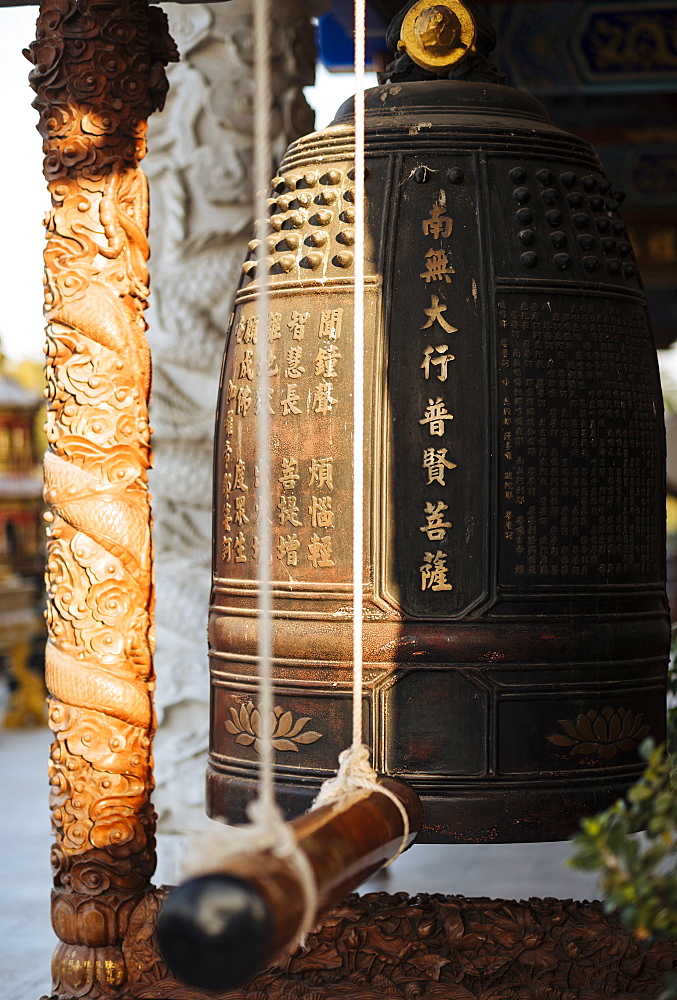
x=98 y=74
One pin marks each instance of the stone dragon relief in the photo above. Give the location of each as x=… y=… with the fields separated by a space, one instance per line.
x=98 y=73
x=199 y=161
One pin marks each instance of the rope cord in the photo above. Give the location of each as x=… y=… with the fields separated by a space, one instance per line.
x=355 y=769
x=358 y=375
x=261 y=177
x=267 y=830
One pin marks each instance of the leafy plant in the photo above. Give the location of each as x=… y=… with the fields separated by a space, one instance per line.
x=638 y=874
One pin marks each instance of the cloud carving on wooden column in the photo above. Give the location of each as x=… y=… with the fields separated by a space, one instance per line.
x=98 y=74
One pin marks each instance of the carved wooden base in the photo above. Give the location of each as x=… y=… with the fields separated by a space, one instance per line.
x=438 y=948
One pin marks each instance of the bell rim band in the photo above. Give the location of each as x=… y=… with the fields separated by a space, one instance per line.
x=422 y=56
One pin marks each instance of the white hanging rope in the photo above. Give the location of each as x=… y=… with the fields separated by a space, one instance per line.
x=267 y=830
x=261 y=178
x=358 y=374
x=355 y=768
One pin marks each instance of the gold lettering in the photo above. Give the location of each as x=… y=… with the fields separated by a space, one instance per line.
x=435 y=415
x=319 y=551
x=442 y=362
x=239 y=483
x=436 y=528
x=330 y=323
x=321 y=472
x=438 y=224
x=297 y=324
x=323 y=401
x=290 y=473
x=240 y=514
x=434 y=315
x=289 y=401
x=294 y=368
x=435 y=461
x=434 y=572
x=288 y=510
x=438 y=269
x=240 y=554
x=287 y=549
x=321 y=514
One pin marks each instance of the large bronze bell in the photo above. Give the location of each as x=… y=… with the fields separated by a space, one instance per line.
x=516 y=627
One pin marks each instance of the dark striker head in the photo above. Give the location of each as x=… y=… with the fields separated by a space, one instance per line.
x=215 y=932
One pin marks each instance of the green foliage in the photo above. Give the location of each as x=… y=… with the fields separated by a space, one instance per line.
x=638 y=874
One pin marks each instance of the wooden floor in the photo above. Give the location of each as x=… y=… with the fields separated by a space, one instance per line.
x=26 y=939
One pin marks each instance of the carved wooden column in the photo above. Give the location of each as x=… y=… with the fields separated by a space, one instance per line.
x=199 y=170
x=98 y=74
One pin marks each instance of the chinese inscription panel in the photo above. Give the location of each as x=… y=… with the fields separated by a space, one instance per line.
x=308 y=353
x=579 y=442
x=435 y=535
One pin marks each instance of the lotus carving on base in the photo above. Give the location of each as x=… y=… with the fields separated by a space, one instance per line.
x=603 y=733
x=245 y=725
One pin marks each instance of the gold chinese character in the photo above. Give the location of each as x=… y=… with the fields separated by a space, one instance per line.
x=435 y=415
x=436 y=528
x=297 y=324
x=438 y=224
x=251 y=330
x=321 y=514
x=244 y=400
x=442 y=362
x=288 y=510
x=241 y=327
x=437 y=263
x=227 y=518
x=232 y=390
x=294 y=367
x=227 y=452
x=325 y=361
x=319 y=551
x=255 y=549
x=323 y=400
x=290 y=473
x=227 y=482
x=434 y=315
x=330 y=323
x=240 y=542
x=288 y=548
x=239 y=483
x=321 y=472
x=289 y=401
x=436 y=462
x=247 y=365
x=273 y=369
x=227 y=549
x=229 y=422
x=274 y=325
x=434 y=572
x=240 y=513
x=257 y=401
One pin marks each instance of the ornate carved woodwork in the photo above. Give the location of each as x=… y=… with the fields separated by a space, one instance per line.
x=436 y=947
x=98 y=74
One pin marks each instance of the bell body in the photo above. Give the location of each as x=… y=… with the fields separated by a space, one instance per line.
x=515 y=627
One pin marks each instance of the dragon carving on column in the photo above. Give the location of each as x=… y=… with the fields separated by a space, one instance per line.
x=98 y=74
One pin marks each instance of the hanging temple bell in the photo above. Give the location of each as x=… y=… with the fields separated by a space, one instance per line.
x=515 y=627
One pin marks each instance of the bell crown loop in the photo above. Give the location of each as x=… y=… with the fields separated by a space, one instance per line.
x=441 y=38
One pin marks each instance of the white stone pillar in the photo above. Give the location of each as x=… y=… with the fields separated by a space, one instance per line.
x=198 y=164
